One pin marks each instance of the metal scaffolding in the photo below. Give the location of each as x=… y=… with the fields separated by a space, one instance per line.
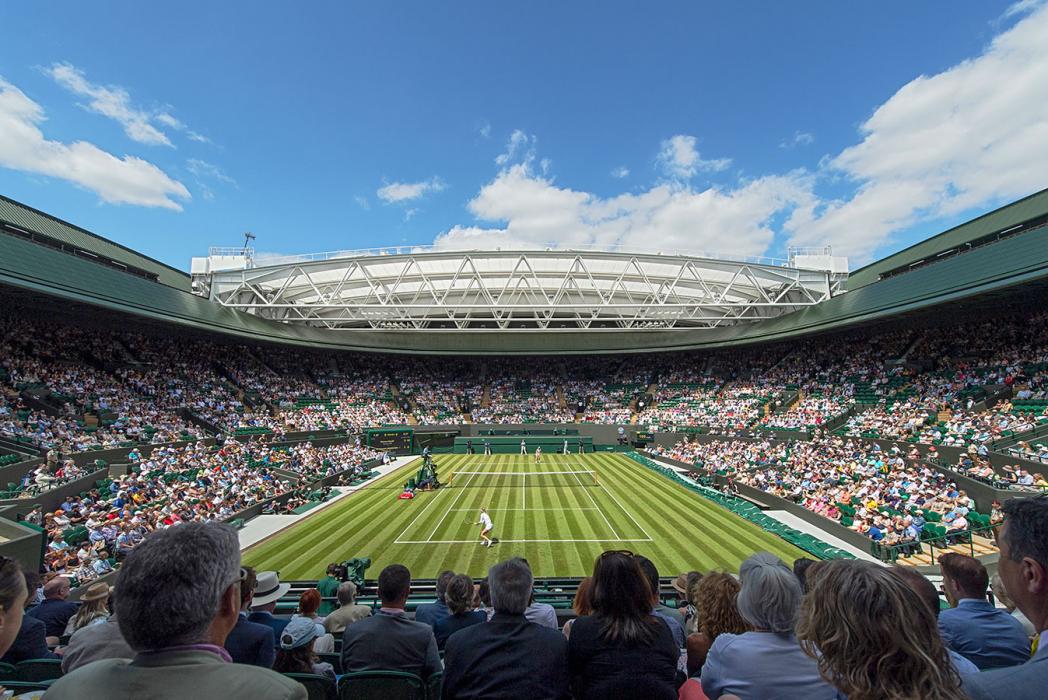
x=429 y=289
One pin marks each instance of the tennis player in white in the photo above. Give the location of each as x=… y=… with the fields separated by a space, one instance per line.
x=485 y=527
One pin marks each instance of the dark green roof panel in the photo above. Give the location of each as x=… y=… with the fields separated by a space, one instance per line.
x=1032 y=207
x=29 y=219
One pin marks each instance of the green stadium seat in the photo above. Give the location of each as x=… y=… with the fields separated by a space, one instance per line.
x=381 y=685
x=318 y=687
x=435 y=686
x=7 y=672
x=38 y=670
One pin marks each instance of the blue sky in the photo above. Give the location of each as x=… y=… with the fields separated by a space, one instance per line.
x=734 y=127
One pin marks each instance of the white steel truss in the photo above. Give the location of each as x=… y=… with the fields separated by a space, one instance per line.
x=517 y=290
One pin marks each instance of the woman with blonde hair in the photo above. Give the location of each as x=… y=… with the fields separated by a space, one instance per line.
x=873 y=637
x=92 y=610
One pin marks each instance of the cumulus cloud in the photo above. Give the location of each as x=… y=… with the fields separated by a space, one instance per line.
x=973 y=135
x=534 y=212
x=397 y=192
x=114 y=102
x=117 y=180
x=680 y=158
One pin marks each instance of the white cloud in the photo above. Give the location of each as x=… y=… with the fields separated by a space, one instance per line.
x=126 y=180
x=974 y=135
x=485 y=130
x=362 y=202
x=518 y=145
x=536 y=213
x=201 y=168
x=140 y=125
x=1022 y=7
x=620 y=172
x=799 y=138
x=396 y=192
x=680 y=159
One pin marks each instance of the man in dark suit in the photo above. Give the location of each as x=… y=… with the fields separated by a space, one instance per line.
x=55 y=610
x=31 y=643
x=250 y=642
x=389 y=641
x=432 y=613
x=268 y=591
x=1023 y=566
x=507 y=656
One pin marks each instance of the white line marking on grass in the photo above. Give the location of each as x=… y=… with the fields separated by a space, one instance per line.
x=618 y=537
x=448 y=511
x=530 y=510
x=628 y=514
x=420 y=514
x=606 y=539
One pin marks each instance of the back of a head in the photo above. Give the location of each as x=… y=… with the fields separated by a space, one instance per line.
x=800 y=570
x=920 y=585
x=967 y=573
x=247 y=584
x=650 y=573
x=56 y=587
x=510 y=583
x=459 y=594
x=12 y=586
x=394 y=584
x=347 y=593
x=172 y=583
x=442 y=583
x=309 y=601
x=582 y=604
x=622 y=598
x=1025 y=532
x=769 y=594
x=873 y=636
x=716 y=602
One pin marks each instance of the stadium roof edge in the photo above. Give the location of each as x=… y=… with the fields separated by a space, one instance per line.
x=34 y=221
x=1001 y=219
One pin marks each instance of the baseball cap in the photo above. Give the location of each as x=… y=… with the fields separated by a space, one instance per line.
x=298 y=632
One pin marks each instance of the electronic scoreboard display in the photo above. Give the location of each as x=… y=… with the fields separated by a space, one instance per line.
x=391 y=440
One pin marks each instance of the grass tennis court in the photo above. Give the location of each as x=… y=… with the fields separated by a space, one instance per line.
x=556 y=514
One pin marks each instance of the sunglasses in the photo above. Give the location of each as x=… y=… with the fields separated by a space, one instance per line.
x=623 y=552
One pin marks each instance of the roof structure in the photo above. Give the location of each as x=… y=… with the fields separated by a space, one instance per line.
x=427 y=289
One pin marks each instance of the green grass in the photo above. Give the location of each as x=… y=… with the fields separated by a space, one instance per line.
x=559 y=523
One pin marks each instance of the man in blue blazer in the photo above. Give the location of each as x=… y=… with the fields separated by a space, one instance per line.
x=1023 y=566
x=250 y=642
x=268 y=591
x=31 y=643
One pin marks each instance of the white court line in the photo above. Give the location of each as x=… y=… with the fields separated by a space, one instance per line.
x=530 y=510
x=524 y=493
x=618 y=537
x=420 y=514
x=448 y=511
x=608 y=539
x=628 y=514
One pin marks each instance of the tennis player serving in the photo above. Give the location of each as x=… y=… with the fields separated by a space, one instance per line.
x=485 y=527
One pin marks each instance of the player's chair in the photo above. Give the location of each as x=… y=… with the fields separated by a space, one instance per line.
x=318 y=687
x=37 y=670
x=381 y=685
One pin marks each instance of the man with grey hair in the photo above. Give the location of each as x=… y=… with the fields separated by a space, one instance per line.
x=348 y=611
x=179 y=597
x=1023 y=566
x=768 y=661
x=507 y=656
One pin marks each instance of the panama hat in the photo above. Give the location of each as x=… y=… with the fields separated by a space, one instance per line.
x=96 y=591
x=269 y=588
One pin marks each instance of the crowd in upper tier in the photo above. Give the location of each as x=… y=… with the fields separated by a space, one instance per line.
x=74 y=389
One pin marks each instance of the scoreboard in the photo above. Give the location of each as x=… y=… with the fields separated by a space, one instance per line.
x=395 y=440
